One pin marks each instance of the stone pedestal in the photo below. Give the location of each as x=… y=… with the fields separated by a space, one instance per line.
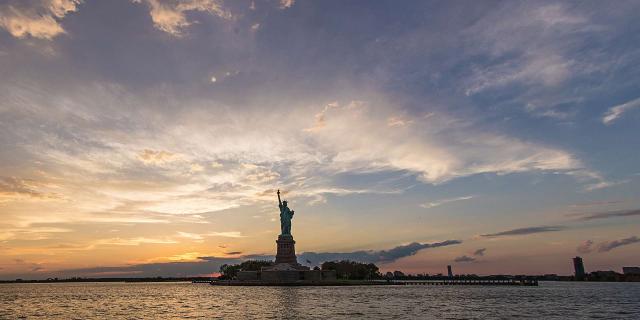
x=286 y=250
x=286 y=269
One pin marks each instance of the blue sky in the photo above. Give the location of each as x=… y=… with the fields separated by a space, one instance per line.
x=140 y=132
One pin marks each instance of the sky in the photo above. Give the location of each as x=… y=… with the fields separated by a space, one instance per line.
x=149 y=137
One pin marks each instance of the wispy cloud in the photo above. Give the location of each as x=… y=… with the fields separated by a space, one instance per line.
x=615 y=112
x=463 y=259
x=608 y=214
x=596 y=203
x=157 y=156
x=170 y=16
x=31 y=233
x=41 y=21
x=589 y=246
x=480 y=252
x=525 y=231
x=376 y=256
x=437 y=203
x=134 y=241
x=286 y=3
x=608 y=246
x=13 y=189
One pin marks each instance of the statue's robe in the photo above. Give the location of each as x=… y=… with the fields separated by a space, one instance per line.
x=285 y=220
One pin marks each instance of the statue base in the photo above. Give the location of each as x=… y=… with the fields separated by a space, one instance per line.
x=286 y=250
x=286 y=269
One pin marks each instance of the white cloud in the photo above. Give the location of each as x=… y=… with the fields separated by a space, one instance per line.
x=530 y=45
x=438 y=148
x=169 y=16
x=30 y=233
x=437 y=203
x=241 y=156
x=22 y=21
x=226 y=234
x=60 y=8
x=616 y=112
x=286 y=3
x=133 y=241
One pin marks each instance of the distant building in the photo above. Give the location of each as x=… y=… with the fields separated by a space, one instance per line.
x=449 y=271
x=578 y=267
x=605 y=276
x=631 y=271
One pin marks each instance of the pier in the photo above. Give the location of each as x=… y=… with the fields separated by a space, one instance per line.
x=470 y=282
x=446 y=282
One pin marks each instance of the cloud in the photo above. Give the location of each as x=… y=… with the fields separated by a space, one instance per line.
x=480 y=252
x=437 y=203
x=529 y=44
x=227 y=234
x=373 y=256
x=163 y=269
x=31 y=233
x=15 y=189
x=464 y=259
x=585 y=247
x=170 y=15
x=617 y=111
x=596 y=203
x=525 y=231
x=438 y=148
x=40 y=21
x=192 y=236
x=157 y=157
x=286 y=3
x=608 y=246
x=133 y=241
x=609 y=214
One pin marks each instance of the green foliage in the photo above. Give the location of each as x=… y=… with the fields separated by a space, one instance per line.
x=352 y=270
x=255 y=265
x=230 y=271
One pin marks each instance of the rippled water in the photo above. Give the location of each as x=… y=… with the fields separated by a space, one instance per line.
x=551 y=300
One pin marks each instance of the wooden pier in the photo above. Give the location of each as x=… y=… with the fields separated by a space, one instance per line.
x=444 y=282
x=464 y=282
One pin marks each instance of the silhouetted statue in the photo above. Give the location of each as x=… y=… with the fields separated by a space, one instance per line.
x=286 y=215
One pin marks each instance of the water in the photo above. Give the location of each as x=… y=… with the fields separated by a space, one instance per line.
x=551 y=300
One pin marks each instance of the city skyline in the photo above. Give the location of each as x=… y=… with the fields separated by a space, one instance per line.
x=140 y=135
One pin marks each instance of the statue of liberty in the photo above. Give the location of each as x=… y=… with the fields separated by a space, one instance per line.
x=286 y=215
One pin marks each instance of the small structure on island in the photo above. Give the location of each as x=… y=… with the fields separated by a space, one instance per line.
x=286 y=269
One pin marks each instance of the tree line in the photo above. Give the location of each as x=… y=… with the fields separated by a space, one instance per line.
x=345 y=269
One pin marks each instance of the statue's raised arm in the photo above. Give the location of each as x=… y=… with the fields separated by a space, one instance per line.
x=279 y=201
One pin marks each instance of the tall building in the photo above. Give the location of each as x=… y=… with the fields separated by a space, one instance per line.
x=578 y=266
x=449 y=271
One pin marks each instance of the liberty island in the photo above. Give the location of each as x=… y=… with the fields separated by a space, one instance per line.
x=286 y=270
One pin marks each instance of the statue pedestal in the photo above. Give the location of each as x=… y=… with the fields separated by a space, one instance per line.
x=286 y=250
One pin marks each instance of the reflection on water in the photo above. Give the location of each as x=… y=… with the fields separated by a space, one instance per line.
x=551 y=300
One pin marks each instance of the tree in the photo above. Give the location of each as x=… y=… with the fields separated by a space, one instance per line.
x=229 y=271
x=352 y=270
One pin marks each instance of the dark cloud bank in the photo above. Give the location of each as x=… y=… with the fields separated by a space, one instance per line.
x=589 y=246
x=609 y=214
x=208 y=265
x=525 y=231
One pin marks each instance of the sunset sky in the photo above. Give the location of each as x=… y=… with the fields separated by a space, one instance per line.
x=148 y=137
